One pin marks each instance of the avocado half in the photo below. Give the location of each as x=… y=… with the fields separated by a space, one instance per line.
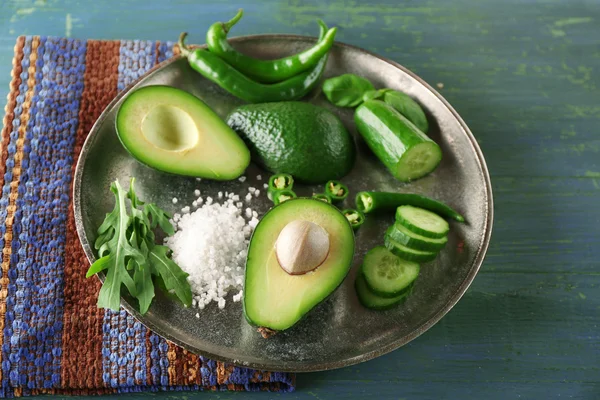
x=273 y=299
x=173 y=131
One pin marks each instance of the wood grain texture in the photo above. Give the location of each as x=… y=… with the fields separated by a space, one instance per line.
x=525 y=76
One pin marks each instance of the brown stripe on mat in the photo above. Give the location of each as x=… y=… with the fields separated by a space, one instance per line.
x=174 y=355
x=82 y=331
x=223 y=372
x=16 y=178
x=9 y=110
x=149 y=380
x=193 y=369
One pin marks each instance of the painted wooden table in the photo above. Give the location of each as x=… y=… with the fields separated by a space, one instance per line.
x=525 y=75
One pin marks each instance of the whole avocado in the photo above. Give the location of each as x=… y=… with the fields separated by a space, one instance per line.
x=301 y=139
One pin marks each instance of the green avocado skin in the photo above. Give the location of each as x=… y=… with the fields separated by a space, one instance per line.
x=301 y=139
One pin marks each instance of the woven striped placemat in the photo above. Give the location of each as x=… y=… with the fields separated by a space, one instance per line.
x=53 y=338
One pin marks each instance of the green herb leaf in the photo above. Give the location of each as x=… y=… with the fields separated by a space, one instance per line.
x=374 y=94
x=408 y=107
x=135 y=201
x=159 y=217
x=346 y=90
x=119 y=254
x=98 y=266
x=130 y=256
x=174 y=278
x=143 y=283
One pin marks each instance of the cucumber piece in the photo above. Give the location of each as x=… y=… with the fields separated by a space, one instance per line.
x=406 y=106
x=374 y=302
x=406 y=151
x=387 y=275
x=422 y=222
x=406 y=237
x=407 y=253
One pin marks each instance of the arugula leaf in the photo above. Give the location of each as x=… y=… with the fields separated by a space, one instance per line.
x=98 y=266
x=159 y=217
x=107 y=229
x=119 y=250
x=143 y=282
x=175 y=278
x=128 y=253
x=346 y=90
x=141 y=222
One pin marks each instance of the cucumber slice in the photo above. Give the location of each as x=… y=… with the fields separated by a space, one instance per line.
x=406 y=237
x=388 y=275
x=371 y=300
x=422 y=222
x=406 y=151
x=418 y=161
x=407 y=253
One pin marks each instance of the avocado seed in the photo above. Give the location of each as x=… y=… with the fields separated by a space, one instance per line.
x=301 y=247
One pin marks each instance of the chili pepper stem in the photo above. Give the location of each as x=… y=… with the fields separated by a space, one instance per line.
x=182 y=47
x=229 y=24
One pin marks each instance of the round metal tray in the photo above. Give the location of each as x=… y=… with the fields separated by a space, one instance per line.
x=339 y=331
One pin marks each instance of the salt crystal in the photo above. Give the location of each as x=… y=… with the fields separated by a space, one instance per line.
x=211 y=245
x=257 y=193
x=242 y=179
x=198 y=179
x=196 y=192
x=220 y=195
x=252 y=189
x=259 y=177
x=248 y=197
x=239 y=204
x=174 y=200
x=266 y=185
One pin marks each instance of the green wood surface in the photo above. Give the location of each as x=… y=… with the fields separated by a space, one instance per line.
x=525 y=76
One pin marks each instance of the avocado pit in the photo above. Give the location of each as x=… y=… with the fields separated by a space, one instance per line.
x=170 y=128
x=301 y=247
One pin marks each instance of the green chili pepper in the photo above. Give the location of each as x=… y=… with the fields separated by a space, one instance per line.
x=283 y=195
x=336 y=190
x=267 y=71
x=279 y=182
x=355 y=217
x=369 y=202
x=323 y=197
x=213 y=68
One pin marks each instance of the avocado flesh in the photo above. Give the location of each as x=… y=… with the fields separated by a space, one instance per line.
x=276 y=300
x=301 y=139
x=173 y=131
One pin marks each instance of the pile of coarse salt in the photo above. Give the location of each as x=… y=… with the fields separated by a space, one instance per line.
x=211 y=244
